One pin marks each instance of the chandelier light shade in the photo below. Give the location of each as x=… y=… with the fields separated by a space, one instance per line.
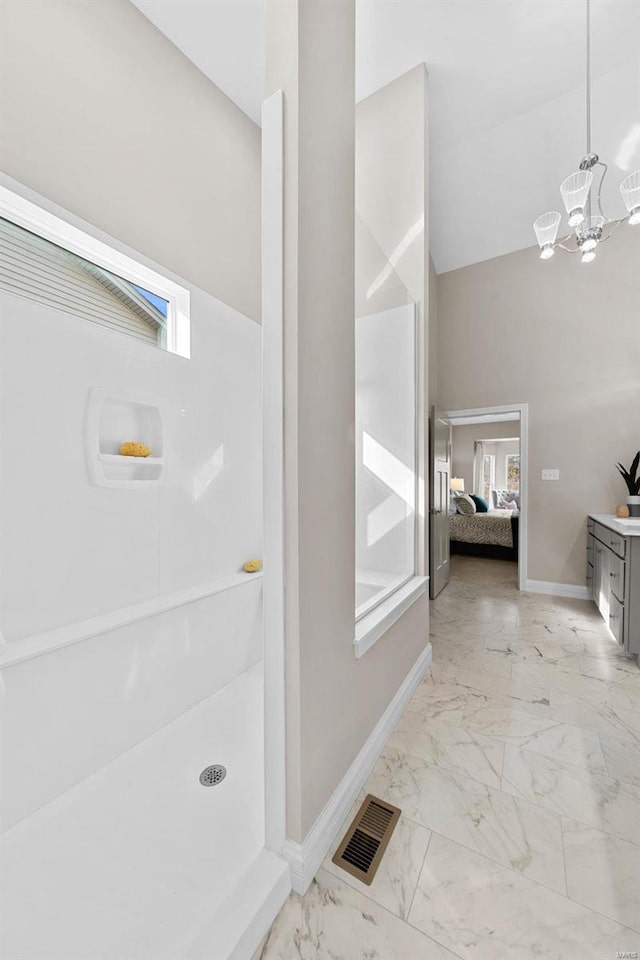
x=574 y=191
x=588 y=225
x=630 y=190
x=546 y=229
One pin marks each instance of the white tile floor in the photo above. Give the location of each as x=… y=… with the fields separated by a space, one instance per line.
x=517 y=768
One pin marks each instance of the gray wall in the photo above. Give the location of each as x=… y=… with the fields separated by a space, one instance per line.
x=563 y=337
x=100 y=113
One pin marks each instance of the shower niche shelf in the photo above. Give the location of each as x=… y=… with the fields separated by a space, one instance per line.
x=113 y=417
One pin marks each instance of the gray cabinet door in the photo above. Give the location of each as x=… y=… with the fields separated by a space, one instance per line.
x=616 y=618
x=613 y=581
x=601 y=579
x=617 y=576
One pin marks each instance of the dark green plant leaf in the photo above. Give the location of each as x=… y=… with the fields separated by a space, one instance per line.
x=630 y=476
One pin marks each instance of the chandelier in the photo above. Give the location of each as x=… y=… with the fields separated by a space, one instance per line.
x=589 y=225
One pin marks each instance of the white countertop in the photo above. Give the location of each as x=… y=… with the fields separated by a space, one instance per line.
x=626 y=527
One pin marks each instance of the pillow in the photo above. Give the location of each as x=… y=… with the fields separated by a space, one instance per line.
x=509 y=505
x=507 y=499
x=499 y=498
x=452 y=503
x=465 y=505
x=481 y=505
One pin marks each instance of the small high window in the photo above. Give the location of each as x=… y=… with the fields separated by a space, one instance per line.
x=488 y=476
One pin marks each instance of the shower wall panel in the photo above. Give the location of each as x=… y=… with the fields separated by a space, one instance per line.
x=122 y=608
x=69 y=550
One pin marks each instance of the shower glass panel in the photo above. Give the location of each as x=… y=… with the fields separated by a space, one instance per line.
x=386 y=490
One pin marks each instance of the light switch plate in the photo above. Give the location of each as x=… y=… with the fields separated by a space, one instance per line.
x=550 y=474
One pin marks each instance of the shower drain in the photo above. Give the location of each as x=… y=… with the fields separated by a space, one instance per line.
x=213 y=775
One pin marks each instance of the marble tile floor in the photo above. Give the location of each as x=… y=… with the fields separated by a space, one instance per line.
x=477 y=569
x=517 y=768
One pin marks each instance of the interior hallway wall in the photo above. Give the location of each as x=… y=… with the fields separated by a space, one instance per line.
x=113 y=123
x=563 y=337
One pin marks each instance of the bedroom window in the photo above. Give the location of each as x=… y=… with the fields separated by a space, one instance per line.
x=512 y=472
x=488 y=476
x=47 y=260
x=386 y=474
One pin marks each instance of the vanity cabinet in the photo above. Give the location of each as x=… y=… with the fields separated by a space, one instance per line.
x=613 y=577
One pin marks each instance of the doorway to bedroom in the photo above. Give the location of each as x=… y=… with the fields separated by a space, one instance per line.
x=487 y=503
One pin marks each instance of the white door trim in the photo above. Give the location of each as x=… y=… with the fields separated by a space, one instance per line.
x=523 y=410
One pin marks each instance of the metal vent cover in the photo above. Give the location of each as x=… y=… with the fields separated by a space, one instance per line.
x=213 y=775
x=365 y=842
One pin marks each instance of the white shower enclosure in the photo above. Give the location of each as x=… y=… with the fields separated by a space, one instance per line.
x=386 y=426
x=133 y=644
x=386 y=470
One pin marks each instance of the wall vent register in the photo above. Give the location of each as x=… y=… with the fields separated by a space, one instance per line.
x=366 y=840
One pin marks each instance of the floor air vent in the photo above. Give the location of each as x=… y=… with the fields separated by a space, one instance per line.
x=366 y=840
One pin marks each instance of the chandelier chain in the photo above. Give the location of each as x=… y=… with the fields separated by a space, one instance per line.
x=588 y=77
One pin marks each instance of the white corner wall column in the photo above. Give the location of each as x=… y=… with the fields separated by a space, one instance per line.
x=273 y=467
x=310 y=56
x=339 y=708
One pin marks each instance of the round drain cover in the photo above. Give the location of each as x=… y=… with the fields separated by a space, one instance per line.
x=213 y=775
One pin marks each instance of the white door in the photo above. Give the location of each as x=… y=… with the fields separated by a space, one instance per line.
x=440 y=444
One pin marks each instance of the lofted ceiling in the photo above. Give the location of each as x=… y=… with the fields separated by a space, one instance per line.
x=506 y=97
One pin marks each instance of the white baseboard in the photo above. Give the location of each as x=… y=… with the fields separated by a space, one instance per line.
x=305 y=858
x=572 y=590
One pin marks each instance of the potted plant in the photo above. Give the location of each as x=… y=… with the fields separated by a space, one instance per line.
x=632 y=481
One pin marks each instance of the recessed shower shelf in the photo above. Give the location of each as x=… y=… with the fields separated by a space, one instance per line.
x=114 y=417
x=116 y=458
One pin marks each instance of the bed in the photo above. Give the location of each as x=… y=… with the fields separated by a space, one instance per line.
x=493 y=534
